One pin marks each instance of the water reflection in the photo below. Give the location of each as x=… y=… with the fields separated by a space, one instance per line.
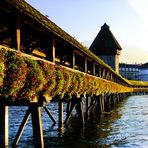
x=127 y=126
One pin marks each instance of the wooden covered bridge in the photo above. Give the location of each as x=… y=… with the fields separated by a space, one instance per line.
x=40 y=63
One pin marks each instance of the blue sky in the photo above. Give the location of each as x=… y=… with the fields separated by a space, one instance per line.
x=83 y=19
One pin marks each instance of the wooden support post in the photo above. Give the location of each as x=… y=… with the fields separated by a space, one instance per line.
x=117 y=99
x=104 y=74
x=101 y=98
x=61 y=107
x=73 y=60
x=112 y=99
x=22 y=126
x=90 y=105
x=53 y=51
x=37 y=126
x=49 y=114
x=4 y=141
x=111 y=77
x=93 y=104
x=102 y=103
x=68 y=107
x=100 y=75
x=70 y=111
x=80 y=110
x=107 y=103
x=50 y=55
x=18 y=33
x=87 y=102
x=85 y=65
x=94 y=69
x=98 y=106
x=86 y=107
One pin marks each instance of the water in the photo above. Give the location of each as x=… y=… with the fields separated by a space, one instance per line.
x=125 y=127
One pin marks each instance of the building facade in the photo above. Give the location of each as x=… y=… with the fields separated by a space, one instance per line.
x=143 y=72
x=134 y=71
x=129 y=71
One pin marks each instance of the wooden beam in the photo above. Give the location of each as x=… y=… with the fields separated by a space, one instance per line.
x=22 y=126
x=49 y=114
x=94 y=69
x=38 y=53
x=70 y=112
x=73 y=60
x=18 y=33
x=85 y=65
x=61 y=107
x=37 y=126
x=111 y=76
x=50 y=54
x=4 y=141
x=53 y=51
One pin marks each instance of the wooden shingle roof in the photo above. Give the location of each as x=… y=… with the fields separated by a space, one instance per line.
x=24 y=8
x=105 y=43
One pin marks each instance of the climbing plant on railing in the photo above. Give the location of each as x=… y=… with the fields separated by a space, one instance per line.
x=24 y=77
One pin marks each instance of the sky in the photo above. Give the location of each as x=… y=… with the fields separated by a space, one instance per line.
x=82 y=19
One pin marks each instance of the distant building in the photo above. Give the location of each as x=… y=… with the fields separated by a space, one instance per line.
x=143 y=72
x=129 y=71
x=106 y=47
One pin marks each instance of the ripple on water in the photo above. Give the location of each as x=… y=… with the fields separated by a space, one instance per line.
x=126 y=127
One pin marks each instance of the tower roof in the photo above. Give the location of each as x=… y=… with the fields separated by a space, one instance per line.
x=105 y=43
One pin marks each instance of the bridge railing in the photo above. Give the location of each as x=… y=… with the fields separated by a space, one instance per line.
x=25 y=77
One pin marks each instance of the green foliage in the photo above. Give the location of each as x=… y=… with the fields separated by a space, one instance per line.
x=15 y=74
x=57 y=91
x=34 y=82
x=139 y=83
x=2 y=67
x=49 y=75
x=22 y=77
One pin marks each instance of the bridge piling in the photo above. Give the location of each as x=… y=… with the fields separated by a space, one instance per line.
x=21 y=128
x=86 y=107
x=4 y=136
x=98 y=107
x=69 y=112
x=102 y=103
x=37 y=126
x=112 y=99
x=49 y=114
x=106 y=103
x=60 y=116
x=68 y=107
x=80 y=108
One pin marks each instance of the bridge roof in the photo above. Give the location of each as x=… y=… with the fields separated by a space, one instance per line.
x=24 y=8
x=105 y=42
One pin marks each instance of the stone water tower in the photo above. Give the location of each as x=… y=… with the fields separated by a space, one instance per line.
x=106 y=47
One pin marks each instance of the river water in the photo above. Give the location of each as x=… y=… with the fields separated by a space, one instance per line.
x=125 y=127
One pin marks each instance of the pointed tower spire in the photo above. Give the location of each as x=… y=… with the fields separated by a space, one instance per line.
x=107 y=47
